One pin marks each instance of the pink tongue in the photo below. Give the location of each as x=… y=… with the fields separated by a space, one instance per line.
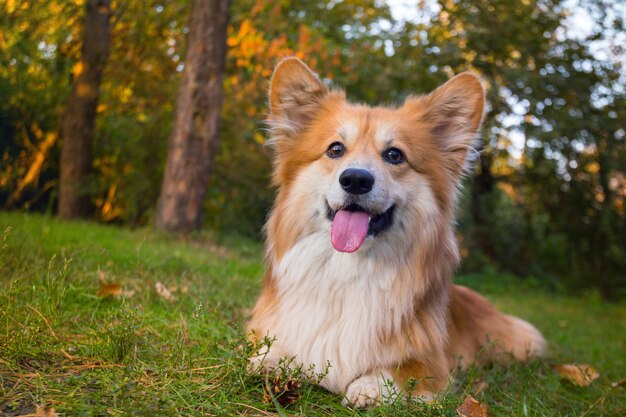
x=349 y=230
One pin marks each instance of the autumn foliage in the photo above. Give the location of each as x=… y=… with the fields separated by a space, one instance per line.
x=548 y=196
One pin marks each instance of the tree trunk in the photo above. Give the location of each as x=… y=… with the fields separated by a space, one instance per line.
x=194 y=139
x=80 y=113
x=482 y=195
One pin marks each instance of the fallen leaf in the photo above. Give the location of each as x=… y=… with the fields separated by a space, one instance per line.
x=163 y=291
x=46 y=412
x=620 y=383
x=581 y=375
x=109 y=290
x=472 y=408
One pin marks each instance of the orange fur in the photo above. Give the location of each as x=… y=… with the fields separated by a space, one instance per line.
x=389 y=310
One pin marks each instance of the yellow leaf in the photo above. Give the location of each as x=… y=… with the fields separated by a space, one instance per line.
x=78 y=68
x=232 y=41
x=592 y=167
x=259 y=138
x=581 y=375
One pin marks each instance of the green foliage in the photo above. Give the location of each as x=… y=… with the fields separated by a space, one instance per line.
x=544 y=206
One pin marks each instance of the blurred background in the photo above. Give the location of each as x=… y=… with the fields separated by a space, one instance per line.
x=546 y=198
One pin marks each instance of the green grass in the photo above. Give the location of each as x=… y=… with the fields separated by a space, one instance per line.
x=63 y=346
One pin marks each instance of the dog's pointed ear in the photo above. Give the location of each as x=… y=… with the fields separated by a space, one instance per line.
x=295 y=92
x=454 y=112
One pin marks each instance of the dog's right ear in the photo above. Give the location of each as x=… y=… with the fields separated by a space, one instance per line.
x=295 y=92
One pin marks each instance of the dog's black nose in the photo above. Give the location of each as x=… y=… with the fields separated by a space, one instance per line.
x=356 y=181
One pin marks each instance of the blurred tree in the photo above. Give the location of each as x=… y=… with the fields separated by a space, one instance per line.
x=548 y=199
x=342 y=41
x=35 y=46
x=136 y=107
x=195 y=135
x=551 y=94
x=506 y=43
x=80 y=113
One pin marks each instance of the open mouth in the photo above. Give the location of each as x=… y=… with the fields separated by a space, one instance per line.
x=352 y=224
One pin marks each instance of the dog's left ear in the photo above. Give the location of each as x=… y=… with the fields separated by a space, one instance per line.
x=294 y=95
x=454 y=112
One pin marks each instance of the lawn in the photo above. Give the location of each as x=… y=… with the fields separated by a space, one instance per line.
x=67 y=341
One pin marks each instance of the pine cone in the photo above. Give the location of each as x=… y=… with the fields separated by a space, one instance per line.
x=285 y=392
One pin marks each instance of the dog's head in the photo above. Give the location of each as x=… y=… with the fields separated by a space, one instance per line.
x=358 y=171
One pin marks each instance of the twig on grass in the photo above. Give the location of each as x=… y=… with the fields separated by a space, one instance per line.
x=92 y=366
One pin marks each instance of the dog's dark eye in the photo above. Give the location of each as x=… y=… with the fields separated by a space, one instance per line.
x=393 y=156
x=335 y=150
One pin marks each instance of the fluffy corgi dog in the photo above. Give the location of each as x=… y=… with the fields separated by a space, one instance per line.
x=360 y=243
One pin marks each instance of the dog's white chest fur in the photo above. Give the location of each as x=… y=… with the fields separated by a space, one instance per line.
x=334 y=307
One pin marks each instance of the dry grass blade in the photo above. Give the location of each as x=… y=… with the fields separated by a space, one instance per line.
x=45 y=320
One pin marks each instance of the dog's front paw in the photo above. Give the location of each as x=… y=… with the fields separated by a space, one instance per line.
x=363 y=392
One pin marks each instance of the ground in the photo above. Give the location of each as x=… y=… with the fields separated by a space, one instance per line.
x=65 y=344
